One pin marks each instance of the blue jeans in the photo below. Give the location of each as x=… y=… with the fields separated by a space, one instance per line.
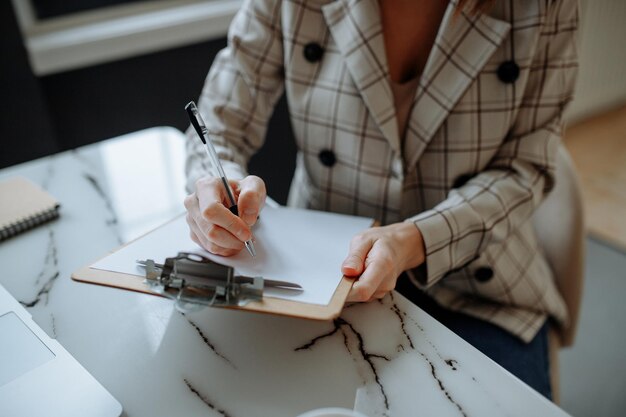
x=528 y=361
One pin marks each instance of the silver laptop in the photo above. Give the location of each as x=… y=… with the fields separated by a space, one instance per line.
x=38 y=377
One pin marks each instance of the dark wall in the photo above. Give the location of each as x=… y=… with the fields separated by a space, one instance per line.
x=91 y=104
x=25 y=128
x=103 y=101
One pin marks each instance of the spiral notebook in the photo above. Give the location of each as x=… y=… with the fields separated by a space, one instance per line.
x=24 y=206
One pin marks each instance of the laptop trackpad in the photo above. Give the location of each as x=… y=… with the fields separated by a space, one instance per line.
x=20 y=349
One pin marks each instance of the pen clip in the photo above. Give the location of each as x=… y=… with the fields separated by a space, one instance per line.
x=196 y=120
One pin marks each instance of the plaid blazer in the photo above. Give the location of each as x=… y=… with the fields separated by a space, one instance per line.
x=477 y=157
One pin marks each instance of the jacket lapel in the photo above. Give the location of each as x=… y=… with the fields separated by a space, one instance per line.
x=463 y=46
x=357 y=30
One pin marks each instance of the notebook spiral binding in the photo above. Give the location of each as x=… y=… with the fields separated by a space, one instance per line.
x=29 y=222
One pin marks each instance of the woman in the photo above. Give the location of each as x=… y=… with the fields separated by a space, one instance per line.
x=441 y=120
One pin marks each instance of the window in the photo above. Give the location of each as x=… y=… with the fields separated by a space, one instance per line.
x=61 y=35
x=44 y=9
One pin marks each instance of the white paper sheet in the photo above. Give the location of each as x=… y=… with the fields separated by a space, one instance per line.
x=302 y=246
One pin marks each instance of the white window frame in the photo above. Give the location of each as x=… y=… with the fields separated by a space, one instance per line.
x=97 y=36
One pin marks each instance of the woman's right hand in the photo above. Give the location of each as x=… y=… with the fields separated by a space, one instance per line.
x=211 y=223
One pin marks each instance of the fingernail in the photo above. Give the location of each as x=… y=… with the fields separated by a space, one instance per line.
x=242 y=234
x=349 y=265
x=250 y=212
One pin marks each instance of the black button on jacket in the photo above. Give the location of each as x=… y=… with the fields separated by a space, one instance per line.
x=508 y=72
x=313 y=52
x=327 y=158
x=483 y=274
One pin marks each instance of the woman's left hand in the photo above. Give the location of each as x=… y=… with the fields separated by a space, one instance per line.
x=379 y=255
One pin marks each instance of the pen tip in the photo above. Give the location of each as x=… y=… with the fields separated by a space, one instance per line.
x=251 y=249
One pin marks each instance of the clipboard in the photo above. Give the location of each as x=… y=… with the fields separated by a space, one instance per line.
x=269 y=304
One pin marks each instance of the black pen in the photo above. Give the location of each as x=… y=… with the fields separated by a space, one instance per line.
x=203 y=133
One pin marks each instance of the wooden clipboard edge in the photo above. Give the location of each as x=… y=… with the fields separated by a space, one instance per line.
x=105 y=278
x=269 y=305
x=119 y=280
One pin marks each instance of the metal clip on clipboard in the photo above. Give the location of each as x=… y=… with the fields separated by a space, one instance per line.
x=193 y=280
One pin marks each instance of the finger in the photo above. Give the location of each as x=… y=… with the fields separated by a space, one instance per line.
x=354 y=264
x=197 y=240
x=213 y=210
x=217 y=250
x=211 y=236
x=190 y=201
x=209 y=196
x=252 y=194
x=211 y=247
x=219 y=215
x=193 y=237
x=210 y=189
x=196 y=234
x=378 y=295
x=223 y=238
x=379 y=269
x=191 y=204
x=197 y=223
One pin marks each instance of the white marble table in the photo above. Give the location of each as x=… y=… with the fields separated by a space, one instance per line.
x=158 y=362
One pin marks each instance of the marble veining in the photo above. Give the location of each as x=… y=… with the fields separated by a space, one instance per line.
x=400 y=315
x=100 y=191
x=53 y=326
x=49 y=270
x=81 y=156
x=112 y=221
x=207 y=342
x=49 y=175
x=442 y=387
x=51 y=261
x=205 y=400
x=231 y=363
x=341 y=325
x=43 y=293
x=433 y=369
x=95 y=180
x=389 y=302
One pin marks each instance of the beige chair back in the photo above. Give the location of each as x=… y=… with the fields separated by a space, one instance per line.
x=559 y=224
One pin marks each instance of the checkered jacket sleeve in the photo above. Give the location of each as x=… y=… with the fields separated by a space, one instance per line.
x=241 y=89
x=501 y=198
